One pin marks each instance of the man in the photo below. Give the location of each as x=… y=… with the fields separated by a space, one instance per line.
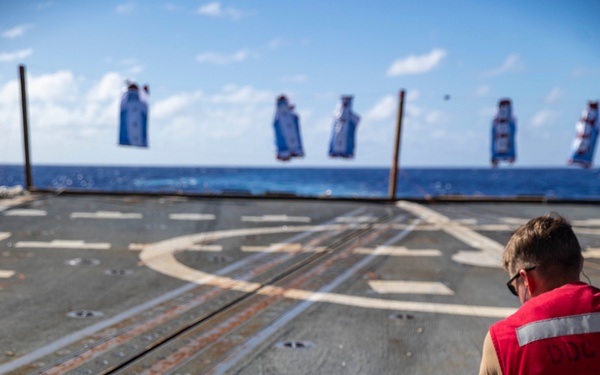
x=557 y=328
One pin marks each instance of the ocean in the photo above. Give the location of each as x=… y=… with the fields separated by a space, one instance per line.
x=415 y=183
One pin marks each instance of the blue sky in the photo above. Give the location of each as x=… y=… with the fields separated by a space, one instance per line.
x=215 y=68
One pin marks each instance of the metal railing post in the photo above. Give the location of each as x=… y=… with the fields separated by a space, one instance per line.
x=394 y=170
x=28 y=178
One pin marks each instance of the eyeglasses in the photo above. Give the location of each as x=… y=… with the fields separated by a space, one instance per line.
x=509 y=283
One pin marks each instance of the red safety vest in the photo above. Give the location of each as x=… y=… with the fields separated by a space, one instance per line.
x=557 y=332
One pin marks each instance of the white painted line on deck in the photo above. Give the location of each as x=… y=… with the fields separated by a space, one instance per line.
x=490 y=251
x=64 y=244
x=78 y=335
x=484 y=227
x=586 y=223
x=591 y=252
x=426 y=307
x=192 y=217
x=214 y=248
x=355 y=219
x=276 y=218
x=509 y=227
x=160 y=257
x=25 y=212
x=495 y=227
x=193 y=247
x=399 y=251
x=513 y=220
x=409 y=287
x=425 y=227
x=4 y=235
x=105 y=215
x=588 y=231
x=283 y=248
x=467 y=221
x=84 y=332
x=5 y=274
x=324 y=295
x=7 y=203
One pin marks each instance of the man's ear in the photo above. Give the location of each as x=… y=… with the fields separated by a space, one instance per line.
x=529 y=281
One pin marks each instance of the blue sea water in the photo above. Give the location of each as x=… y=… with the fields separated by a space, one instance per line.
x=552 y=183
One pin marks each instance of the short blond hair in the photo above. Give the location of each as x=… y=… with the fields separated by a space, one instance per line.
x=546 y=242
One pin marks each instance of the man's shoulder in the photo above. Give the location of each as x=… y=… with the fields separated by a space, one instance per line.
x=552 y=304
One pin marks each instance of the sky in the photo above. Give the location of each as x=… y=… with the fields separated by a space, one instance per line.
x=215 y=69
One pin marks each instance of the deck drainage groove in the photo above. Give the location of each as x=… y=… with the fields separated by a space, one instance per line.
x=219 y=259
x=83 y=262
x=294 y=345
x=401 y=316
x=118 y=272
x=85 y=314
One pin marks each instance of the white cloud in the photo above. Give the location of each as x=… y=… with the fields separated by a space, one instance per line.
x=384 y=109
x=554 y=95
x=305 y=114
x=73 y=116
x=132 y=66
x=222 y=59
x=236 y=122
x=14 y=56
x=125 y=8
x=416 y=64
x=434 y=117
x=51 y=116
x=16 y=31
x=52 y=87
x=544 y=117
x=211 y=9
x=412 y=110
x=214 y=9
x=511 y=62
x=233 y=94
x=482 y=91
x=174 y=105
x=10 y=93
x=58 y=109
x=234 y=113
x=413 y=95
x=108 y=88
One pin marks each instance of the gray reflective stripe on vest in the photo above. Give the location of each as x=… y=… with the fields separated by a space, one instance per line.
x=563 y=326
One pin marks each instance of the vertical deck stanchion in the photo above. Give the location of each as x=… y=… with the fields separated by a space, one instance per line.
x=28 y=178
x=394 y=170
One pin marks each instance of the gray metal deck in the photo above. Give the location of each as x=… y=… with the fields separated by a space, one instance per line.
x=97 y=284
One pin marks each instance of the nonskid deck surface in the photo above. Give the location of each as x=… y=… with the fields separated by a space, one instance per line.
x=153 y=285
